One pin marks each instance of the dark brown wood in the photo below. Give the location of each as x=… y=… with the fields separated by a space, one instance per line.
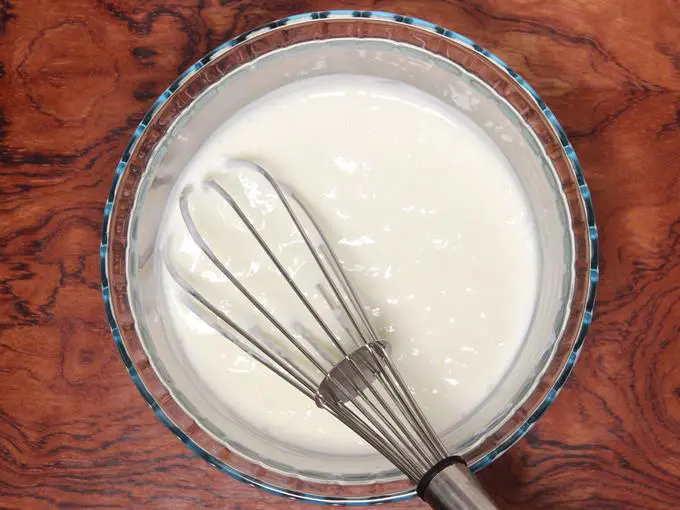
x=75 y=78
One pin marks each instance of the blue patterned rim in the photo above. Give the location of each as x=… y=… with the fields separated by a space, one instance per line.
x=576 y=168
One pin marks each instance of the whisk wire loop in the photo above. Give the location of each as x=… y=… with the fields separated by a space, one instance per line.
x=359 y=384
x=380 y=400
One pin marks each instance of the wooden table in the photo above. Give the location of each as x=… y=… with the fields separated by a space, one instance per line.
x=76 y=76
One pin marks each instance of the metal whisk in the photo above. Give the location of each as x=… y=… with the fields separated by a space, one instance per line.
x=341 y=363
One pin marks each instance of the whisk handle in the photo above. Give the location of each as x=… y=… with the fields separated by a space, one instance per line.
x=451 y=486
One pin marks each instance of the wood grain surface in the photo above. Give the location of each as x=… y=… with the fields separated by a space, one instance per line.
x=76 y=76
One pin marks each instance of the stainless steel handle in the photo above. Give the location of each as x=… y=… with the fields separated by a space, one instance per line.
x=456 y=488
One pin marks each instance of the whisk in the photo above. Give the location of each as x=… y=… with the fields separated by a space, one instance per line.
x=341 y=363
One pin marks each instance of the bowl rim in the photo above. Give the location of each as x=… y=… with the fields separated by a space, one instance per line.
x=584 y=196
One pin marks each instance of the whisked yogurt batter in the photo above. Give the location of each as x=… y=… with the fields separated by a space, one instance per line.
x=427 y=218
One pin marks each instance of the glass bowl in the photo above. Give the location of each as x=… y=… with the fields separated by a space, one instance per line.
x=438 y=61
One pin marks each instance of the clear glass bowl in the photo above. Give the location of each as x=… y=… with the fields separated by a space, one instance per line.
x=438 y=61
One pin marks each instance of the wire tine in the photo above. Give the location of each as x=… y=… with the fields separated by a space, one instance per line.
x=411 y=405
x=402 y=397
x=414 y=409
x=403 y=432
x=268 y=342
x=336 y=268
x=338 y=271
x=334 y=263
x=205 y=248
x=388 y=450
x=434 y=454
x=277 y=188
x=209 y=312
x=263 y=244
x=380 y=422
x=409 y=443
x=403 y=400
